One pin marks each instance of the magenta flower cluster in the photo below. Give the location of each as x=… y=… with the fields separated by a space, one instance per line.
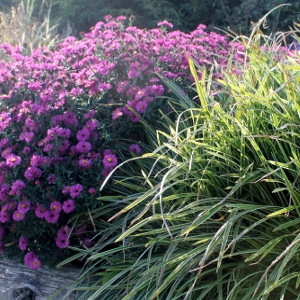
x=62 y=113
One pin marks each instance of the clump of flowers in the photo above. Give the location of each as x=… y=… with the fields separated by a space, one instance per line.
x=63 y=113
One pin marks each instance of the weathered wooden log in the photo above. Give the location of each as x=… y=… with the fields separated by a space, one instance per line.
x=19 y=282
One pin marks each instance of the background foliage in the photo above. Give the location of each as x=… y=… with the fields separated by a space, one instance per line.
x=186 y=15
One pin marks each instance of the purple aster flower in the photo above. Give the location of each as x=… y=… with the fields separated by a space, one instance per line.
x=40 y=212
x=66 y=189
x=110 y=160
x=6 y=152
x=116 y=113
x=36 y=160
x=64 y=232
x=51 y=178
x=26 y=150
x=11 y=205
x=35 y=263
x=28 y=258
x=141 y=106
x=165 y=23
x=83 y=147
x=121 y=87
x=24 y=206
x=83 y=135
x=85 y=163
x=68 y=206
x=18 y=215
x=23 y=243
x=4 y=142
x=135 y=148
x=91 y=124
x=29 y=137
x=62 y=242
x=51 y=216
x=32 y=172
x=48 y=147
x=92 y=191
x=55 y=206
x=87 y=242
x=18 y=185
x=90 y=114
x=4 y=216
x=70 y=119
x=121 y=18
x=75 y=190
x=134 y=118
x=13 y=160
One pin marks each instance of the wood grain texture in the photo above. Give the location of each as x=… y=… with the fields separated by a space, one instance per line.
x=16 y=279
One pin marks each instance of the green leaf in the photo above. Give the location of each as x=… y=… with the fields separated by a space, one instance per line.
x=282 y=211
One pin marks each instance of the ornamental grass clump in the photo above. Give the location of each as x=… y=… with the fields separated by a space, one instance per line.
x=20 y=28
x=69 y=115
x=213 y=211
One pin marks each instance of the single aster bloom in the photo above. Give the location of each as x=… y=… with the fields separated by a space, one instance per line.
x=66 y=189
x=64 y=232
x=18 y=185
x=18 y=215
x=75 y=190
x=116 y=113
x=48 y=147
x=28 y=258
x=110 y=160
x=68 y=206
x=26 y=150
x=23 y=243
x=135 y=148
x=141 y=106
x=35 y=263
x=40 y=212
x=62 y=242
x=6 y=152
x=87 y=242
x=51 y=216
x=165 y=23
x=83 y=147
x=4 y=216
x=32 y=172
x=55 y=206
x=92 y=191
x=13 y=160
x=11 y=205
x=51 y=178
x=83 y=135
x=85 y=163
x=24 y=206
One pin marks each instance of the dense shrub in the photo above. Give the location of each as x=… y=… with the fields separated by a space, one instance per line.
x=69 y=115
